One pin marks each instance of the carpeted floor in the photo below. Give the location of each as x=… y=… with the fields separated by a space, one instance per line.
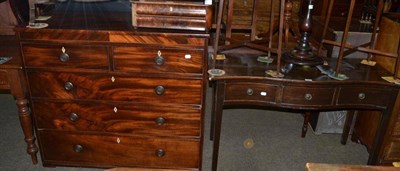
x=276 y=137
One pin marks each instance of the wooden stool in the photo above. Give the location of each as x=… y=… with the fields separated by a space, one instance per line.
x=367 y=48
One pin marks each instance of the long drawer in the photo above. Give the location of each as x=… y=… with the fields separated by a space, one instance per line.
x=112 y=150
x=118 y=117
x=118 y=88
x=151 y=59
x=66 y=56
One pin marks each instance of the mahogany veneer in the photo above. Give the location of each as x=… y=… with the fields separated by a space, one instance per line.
x=105 y=94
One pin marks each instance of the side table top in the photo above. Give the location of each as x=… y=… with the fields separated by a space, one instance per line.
x=245 y=66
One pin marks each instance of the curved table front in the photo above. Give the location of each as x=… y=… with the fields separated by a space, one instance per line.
x=246 y=84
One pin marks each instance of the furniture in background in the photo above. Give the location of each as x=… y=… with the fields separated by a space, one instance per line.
x=325 y=167
x=245 y=84
x=366 y=126
x=7 y=19
x=306 y=86
x=106 y=94
x=340 y=7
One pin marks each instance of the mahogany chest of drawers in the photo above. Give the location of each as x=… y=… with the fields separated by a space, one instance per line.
x=116 y=98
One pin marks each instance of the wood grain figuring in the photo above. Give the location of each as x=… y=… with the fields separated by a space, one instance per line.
x=62 y=35
x=83 y=57
x=111 y=100
x=171 y=9
x=344 y=167
x=145 y=60
x=184 y=16
x=156 y=39
x=129 y=118
x=130 y=151
x=388 y=41
x=171 y=22
x=101 y=87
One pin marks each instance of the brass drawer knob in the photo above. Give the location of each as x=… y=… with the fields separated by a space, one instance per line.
x=160 y=152
x=249 y=91
x=308 y=96
x=159 y=60
x=160 y=121
x=64 y=57
x=361 y=96
x=68 y=86
x=73 y=117
x=159 y=90
x=78 y=148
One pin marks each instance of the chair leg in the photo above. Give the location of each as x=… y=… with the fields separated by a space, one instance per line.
x=326 y=24
x=307 y=116
x=347 y=126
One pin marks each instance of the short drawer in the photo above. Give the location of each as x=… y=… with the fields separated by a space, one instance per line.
x=118 y=88
x=146 y=59
x=121 y=118
x=250 y=92
x=66 y=56
x=364 y=96
x=306 y=96
x=112 y=150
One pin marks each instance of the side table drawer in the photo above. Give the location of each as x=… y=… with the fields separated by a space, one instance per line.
x=121 y=118
x=364 y=96
x=112 y=150
x=71 y=57
x=146 y=59
x=250 y=92
x=305 y=96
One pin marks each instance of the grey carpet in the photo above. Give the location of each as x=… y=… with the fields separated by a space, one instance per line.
x=276 y=136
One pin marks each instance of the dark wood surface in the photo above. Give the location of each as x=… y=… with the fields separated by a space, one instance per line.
x=365 y=127
x=106 y=94
x=246 y=84
x=325 y=166
x=118 y=150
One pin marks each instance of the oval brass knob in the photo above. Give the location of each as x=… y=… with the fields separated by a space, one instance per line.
x=308 y=96
x=160 y=152
x=64 y=57
x=73 y=117
x=68 y=86
x=361 y=96
x=160 y=121
x=159 y=90
x=249 y=91
x=159 y=60
x=78 y=148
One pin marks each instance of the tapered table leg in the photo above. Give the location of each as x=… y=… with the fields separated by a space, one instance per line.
x=17 y=89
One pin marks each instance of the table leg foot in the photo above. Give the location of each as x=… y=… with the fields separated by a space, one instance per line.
x=25 y=119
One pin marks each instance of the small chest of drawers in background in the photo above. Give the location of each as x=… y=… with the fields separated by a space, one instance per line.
x=114 y=98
